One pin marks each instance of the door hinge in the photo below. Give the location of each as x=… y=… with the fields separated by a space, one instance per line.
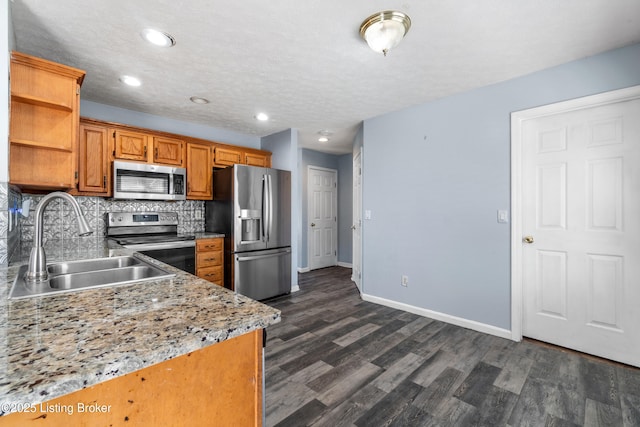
x=114 y=133
x=75 y=174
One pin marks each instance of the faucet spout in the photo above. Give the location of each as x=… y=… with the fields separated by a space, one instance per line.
x=37 y=271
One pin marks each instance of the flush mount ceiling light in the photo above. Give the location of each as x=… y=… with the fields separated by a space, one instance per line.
x=262 y=117
x=158 y=38
x=384 y=30
x=323 y=139
x=130 y=81
x=198 y=100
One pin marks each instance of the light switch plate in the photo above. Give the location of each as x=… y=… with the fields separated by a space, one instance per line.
x=367 y=214
x=503 y=217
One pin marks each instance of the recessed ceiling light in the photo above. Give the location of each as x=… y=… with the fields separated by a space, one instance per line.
x=198 y=100
x=130 y=80
x=262 y=117
x=158 y=38
x=323 y=139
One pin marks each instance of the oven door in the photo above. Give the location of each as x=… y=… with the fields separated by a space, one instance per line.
x=182 y=258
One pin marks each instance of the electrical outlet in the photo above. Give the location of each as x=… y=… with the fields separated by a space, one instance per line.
x=405 y=281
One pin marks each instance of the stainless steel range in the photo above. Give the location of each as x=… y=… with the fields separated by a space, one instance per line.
x=154 y=234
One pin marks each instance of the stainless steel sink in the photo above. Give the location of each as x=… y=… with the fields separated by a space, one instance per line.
x=86 y=274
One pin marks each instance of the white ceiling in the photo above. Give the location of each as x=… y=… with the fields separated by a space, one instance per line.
x=303 y=62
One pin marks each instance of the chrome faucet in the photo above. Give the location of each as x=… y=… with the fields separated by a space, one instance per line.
x=37 y=271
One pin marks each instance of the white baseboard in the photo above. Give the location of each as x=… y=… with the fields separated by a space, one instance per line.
x=345 y=264
x=303 y=269
x=458 y=321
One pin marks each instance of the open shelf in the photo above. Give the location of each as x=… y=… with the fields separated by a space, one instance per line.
x=41 y=102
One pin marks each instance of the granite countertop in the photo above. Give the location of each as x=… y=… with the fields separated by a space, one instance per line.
x=55 y=345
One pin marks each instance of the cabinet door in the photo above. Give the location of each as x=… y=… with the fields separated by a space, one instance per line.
x=199 y=172
x=227 y=157
x=94 y=171
x=168 y=151
x=130 y=145
x=256 y=159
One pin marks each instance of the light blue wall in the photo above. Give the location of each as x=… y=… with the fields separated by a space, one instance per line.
x=284 y=148
x=109 y=113
x=434 y=177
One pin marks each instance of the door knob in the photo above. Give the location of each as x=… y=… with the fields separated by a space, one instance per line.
x=528 y=239
x=313 y=224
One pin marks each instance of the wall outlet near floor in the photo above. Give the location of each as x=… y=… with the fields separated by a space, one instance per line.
x=405 y=281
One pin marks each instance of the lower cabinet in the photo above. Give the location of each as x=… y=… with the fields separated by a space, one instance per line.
x=218 y=385
x=209 y=257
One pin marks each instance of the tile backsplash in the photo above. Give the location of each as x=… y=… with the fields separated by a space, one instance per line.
x=60 y=222
x=10 y=202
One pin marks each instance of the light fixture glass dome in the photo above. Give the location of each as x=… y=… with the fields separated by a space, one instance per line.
x=384 y=30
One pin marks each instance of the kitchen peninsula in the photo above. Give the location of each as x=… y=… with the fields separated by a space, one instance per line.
x=178 y=351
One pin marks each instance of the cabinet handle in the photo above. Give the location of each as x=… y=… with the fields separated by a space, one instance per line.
x=104 y=181
x=145 y=151
x=156 y=153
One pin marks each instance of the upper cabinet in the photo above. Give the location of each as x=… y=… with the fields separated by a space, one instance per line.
x=199 y=172
x=94 y=163
x=255 y=158
x=147 y=147
x=130 y=145
x=168 y=151
x=43 y=130
x=226 y=155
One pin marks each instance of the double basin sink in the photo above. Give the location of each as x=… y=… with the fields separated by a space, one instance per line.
x=87 y=274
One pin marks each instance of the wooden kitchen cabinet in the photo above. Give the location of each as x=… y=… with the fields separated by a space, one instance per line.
x=209 y=259
x=43 y=128
x=226 y=156
x=168 y=151
x=94 y=163
x=199 y=172
x=262 y=159
x=130 y=145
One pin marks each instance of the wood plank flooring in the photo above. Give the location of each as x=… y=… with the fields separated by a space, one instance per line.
x=336 y=360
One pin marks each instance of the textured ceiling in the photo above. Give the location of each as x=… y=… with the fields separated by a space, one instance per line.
x=304 y=62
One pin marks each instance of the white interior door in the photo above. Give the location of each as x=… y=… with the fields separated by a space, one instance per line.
x=580 y=228
x=322 y=217
x=356 y=263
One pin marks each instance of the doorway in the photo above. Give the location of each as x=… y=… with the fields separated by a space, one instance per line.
x=576 y=218
x=322 y=196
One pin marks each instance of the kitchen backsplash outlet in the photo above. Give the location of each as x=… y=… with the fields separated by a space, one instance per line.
x=60 y=223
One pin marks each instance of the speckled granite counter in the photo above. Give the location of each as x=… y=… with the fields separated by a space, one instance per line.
x=54 y=345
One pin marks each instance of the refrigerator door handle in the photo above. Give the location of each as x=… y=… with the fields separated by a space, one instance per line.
x=263 y=221
x=270 y=208
x=255 y=257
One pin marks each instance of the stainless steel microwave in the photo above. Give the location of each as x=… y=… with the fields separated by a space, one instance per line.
x=148 y=182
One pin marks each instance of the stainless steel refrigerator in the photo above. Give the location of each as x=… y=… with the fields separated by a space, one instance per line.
x=252 y=207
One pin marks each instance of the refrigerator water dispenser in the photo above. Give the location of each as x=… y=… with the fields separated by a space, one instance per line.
x=250 y=231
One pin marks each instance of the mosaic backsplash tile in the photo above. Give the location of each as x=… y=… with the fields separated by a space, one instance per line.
x=60 y=222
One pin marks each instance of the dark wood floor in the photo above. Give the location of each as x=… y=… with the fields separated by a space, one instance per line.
x=336 y=360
